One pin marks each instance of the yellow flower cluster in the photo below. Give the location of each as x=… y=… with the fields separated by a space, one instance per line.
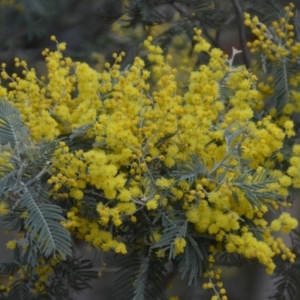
x=214 y=283
x=85 y=229
x=44 y=271
x=293 y=170
x=140 y=126
x=276 y=41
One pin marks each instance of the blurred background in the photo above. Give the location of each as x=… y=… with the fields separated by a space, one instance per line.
x=93 y=30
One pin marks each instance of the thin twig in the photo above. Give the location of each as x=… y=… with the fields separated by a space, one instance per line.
x=242 y=32
x=218 y=33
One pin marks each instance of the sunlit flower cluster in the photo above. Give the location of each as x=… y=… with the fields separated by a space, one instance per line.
x=143 y=125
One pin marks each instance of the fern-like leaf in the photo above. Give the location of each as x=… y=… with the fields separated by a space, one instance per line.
x=20 y=290
x=254 y=188
x=43 y=227
x=12 y=221
x=287 y=274
x=141 y=278
x=281 y=84
x=297 y=25
x=287 y=282
x=267 y=10
x=193 y=260
x=76 y=271
x=174 y=225
x=189 y=170
x=7 y=181
x=12 y=130
x=229 y=259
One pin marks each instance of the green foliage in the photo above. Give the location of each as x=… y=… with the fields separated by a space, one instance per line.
x=267 y=10
x=12 y=130
x=72 y=274
x=25 y=190
x=75 y=273
x=283 y=70
x=20 y=290
x=138 y=279
x=254 y=188
x=43 y=220
x=174 y=225
x=25 y=19
x=193 y=262
x=189 y=170
x=287 y=275
x=182 y=16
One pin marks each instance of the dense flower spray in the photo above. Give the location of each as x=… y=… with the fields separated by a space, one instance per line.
x=177 y=162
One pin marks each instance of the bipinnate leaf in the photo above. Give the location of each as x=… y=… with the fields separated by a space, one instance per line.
x=43 y=225
x=12 y=130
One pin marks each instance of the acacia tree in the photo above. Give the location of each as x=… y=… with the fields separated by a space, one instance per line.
x=154 y=163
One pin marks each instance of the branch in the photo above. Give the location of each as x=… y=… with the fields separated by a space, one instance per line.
x=242 y=32
x=218 y=8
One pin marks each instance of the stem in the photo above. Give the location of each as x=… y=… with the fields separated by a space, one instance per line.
x=218 y=8
x=242 y=32
x=214 y=288
x=231 y=60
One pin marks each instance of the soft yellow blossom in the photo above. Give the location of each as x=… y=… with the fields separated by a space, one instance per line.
x=163 y=182
x=4 y=208
x=141 y=131
x=179 y=244
x=11 y=244
x=151 y=204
